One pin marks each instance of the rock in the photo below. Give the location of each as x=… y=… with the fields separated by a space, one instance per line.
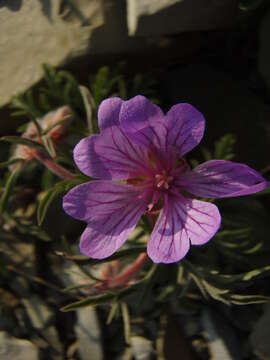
x=16 y=349
x=34 y=33
x=260 y=336
x=88 y=334
x=144 y=17
x=42 y=319
x=142 y=348
x=38 y=312
x=60 y=32
x=223 y=343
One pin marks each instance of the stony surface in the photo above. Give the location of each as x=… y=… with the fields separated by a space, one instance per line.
x=145 y=16
x=38 y=312
x=222 y=341
x=57 y=32
x=33 y=33
x=88 y=334
x=16 y=349
x=260 y=336
x=142 y=348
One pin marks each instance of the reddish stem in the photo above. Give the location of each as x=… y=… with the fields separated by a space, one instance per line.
x=126 y=275
x=51 y=165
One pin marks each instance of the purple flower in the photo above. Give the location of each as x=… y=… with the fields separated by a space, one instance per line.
x=138 y=159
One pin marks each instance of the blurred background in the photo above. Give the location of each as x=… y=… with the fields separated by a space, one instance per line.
x=214 y=54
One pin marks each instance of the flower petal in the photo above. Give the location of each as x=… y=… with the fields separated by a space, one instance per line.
x=110 y=155
x=221 y=179
x=182 y=128
x=94 y=200
x=138 y=117
x=186 y=127
x=137 y=113
x=181 y=222
x=108 y=112
x=112 y=211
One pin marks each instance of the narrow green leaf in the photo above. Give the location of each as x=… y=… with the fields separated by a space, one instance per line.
x=45 y=203
x=48 y=144
x=103 y=298
x=239 y=299
x=215 y=293
x=8 y=188
x=10 y=162
x=50 y=195
x=199 y=284
x=22 y=141
x=167 y=291
x=126 y=322
x=248 y=5
x=60 y=122
x=92 y=300
x=83 y=260
x=113 y=311
x=89 y=103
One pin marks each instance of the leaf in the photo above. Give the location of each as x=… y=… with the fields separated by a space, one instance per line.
x=92 y=300
x=8 y=188
x=113 y=311
x=126 y=322
x=215 y=292
x=25 y=104
x=84 y=260
x=103 y=298
x=198 y=282
x=60 y=122
x=48 y=144
x=101 y=85
x=239 y=299
x=22 y=141
x=22 y=128
x=50 y=195
x=224 y=147
x=89 y=102
x=242 y=280
x=167 y=291
x=10 y=162
x=247 y=5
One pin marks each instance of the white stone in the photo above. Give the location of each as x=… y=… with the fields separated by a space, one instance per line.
x=142 y=348
x=217 y=347
x=88 y=334
x=16 y=349
x=35 y=34
x=160 y=17
x=38 y=312
x=136 y=8
x=260 y=336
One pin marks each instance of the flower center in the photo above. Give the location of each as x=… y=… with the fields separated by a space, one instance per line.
x=162 y=180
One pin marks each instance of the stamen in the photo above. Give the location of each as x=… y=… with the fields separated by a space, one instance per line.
x=160 y=184
x=163 y=180
x=150 y=207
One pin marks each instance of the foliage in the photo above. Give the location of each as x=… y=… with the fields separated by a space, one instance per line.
x=228 y=270
x=248 y=5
